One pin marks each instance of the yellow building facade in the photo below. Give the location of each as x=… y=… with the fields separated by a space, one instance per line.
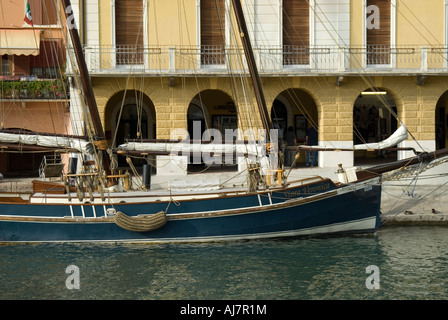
x=345 y=67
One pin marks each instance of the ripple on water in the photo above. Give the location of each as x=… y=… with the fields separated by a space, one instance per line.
x=412 y=263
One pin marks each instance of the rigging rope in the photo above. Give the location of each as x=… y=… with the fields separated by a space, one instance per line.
x=370 y=82
x=136 y=174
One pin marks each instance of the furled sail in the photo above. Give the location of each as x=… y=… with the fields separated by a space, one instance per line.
x=190 y=148
x=398 y=136
x=50 y=141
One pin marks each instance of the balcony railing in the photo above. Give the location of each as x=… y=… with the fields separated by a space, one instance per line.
x=288 y=60
x=129 y=55
x=33 y=90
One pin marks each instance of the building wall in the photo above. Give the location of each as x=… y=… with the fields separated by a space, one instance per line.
x=174 y=23
x=16 y=13
x=415 y=104
x=49 y=115
x=421 y=22
x=164 y=30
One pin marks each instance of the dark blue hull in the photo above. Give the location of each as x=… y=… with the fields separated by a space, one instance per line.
x=330 y=212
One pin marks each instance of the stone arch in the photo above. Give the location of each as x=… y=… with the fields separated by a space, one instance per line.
x=218 y=108
x=301 y=110
x=279 y=117
x=196 y=113
x=129 y=114
x=441 y=121
x=297 y=109
x=210 y=109
x=373 y=122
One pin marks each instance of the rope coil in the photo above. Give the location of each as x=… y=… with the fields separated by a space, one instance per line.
x=140 y=223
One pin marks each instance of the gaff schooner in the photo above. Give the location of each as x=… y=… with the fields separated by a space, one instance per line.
x=88 y=212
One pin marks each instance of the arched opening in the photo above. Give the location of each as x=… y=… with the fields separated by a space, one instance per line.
x=217 y=108
x=196 y=119
x=130 y=115
x=279 y=116
x=132 y=123
x=373 y=122
x=211 y=109
x=441 y=121
x=294 y=112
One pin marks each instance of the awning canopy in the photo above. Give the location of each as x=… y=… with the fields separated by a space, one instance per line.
x=19 y=42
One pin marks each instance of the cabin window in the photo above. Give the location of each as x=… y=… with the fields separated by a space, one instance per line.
x=296 y=32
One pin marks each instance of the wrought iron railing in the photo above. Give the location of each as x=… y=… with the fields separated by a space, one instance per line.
x=379 y=54
x=213 y=55
x=209 y=60
x=296 y=55
x=129 y=55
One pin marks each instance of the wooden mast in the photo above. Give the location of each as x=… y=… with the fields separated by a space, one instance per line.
x=84 y=74
x=87 y=89
x=256 y=82
x=258 y=90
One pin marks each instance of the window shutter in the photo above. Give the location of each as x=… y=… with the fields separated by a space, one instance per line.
x=129 y=31
x=296 y=32
x=43 y=12
x=213 y=31
x=36 y=11
x=378 y=40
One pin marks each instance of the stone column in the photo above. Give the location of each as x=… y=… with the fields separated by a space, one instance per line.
x=172 y=124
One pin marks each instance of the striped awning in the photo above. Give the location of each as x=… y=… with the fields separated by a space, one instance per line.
x=19 y=42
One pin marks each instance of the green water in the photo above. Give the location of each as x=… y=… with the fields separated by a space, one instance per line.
x=411 y=262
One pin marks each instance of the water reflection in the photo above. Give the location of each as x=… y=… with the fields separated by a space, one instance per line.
x=412 y=264
x=416 y=266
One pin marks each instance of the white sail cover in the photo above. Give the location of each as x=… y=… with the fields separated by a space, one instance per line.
x=398 y=136
x=185 y=148
x=45 y=141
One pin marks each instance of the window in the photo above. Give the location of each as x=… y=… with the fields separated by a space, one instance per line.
x=195 y=117
x=212 y=32
x=378 y=33
x=44 y=12
x=301 y=127
x=296 y=32
x=279 y=117
x=5 y=66
x=225 y=122
x=129 y=31
x=49 y=61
